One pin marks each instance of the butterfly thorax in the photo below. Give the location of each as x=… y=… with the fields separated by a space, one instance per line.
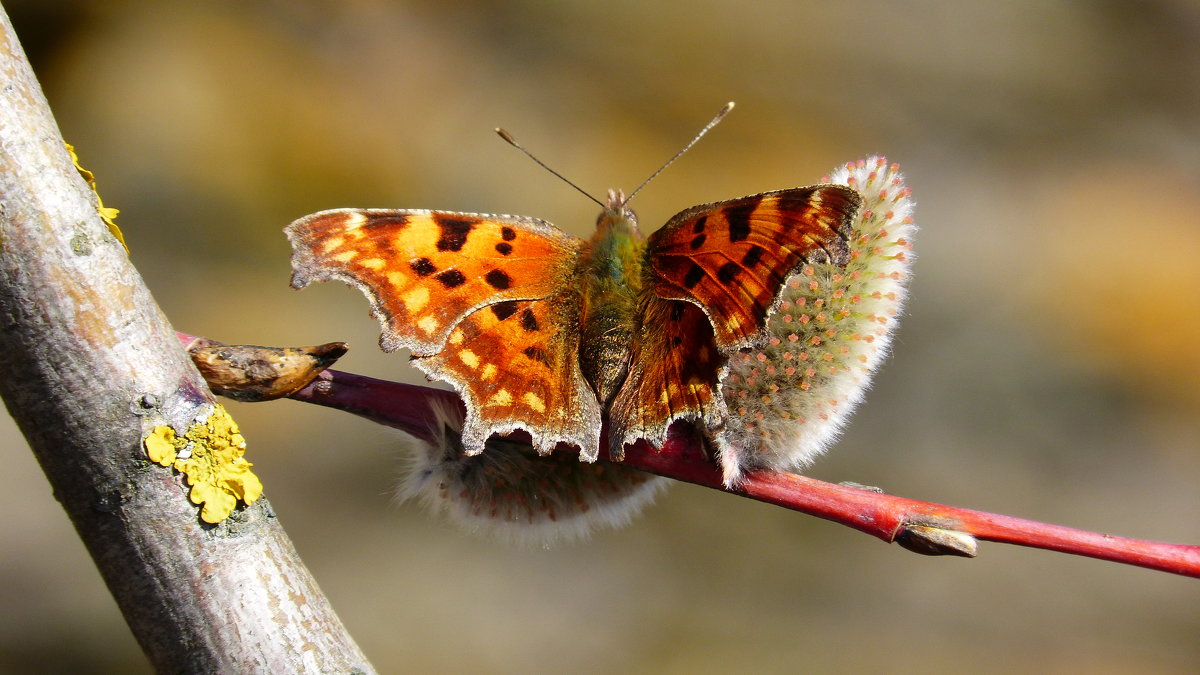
x=611 y=271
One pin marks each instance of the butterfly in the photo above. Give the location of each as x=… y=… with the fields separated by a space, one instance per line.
x=554 y=335
x=542 y=331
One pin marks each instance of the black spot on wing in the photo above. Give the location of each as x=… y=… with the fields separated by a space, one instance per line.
x=693 y=276
x=528 y=321
x=396 y=220
x=700 y=223
x=451 y=278
x=508 y=234
x=835 y=206
x=752 y=256
x=454 y=232
x=498 y=280
x=504 y=248
x=738 y=217
x=423 y=267
x=536 y=354
x=727 y=272
x=503 y=310
x=698 y=241
x=796 y=207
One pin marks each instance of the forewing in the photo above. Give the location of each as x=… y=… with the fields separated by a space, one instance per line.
x=731 y=258
x=423 y=271
x=487 y=303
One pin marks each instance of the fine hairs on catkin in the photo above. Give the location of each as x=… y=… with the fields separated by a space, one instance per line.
x=789 y=399
x=512 y=494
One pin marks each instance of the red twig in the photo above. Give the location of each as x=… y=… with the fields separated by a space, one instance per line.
x=887 y=517
x=913 y=523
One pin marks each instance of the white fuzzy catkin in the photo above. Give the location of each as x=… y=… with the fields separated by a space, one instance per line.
x=512 y=494
x=789 y=399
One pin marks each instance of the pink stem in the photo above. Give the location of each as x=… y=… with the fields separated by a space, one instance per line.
x=407 y=407
x=886 y=516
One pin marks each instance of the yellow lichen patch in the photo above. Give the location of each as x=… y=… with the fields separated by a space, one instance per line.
x=216 y=470
x=107 y=214
x=160 y=445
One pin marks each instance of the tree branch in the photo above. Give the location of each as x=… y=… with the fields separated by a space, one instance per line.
x=88 y=364
x=924 y=527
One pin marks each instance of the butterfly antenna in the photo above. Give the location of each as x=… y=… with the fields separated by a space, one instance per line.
x=513 y=142
x=705 y=130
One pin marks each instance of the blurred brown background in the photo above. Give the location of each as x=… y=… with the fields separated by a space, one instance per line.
x=1047 y=366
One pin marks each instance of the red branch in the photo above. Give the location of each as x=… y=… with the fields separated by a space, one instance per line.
x=890 y=518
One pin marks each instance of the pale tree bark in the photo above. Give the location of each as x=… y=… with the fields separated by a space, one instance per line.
x=88 y=364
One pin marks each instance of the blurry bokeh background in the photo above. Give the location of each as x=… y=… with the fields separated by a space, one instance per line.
x=1047 y=367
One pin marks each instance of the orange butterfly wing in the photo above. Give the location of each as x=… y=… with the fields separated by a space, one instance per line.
x=517 y=365
x=732 y=258
x=718 y=271
x=485 y=302
x=423 y=271
x=674 y=374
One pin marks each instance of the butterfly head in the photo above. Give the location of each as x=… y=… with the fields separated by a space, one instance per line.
x=617 y=217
